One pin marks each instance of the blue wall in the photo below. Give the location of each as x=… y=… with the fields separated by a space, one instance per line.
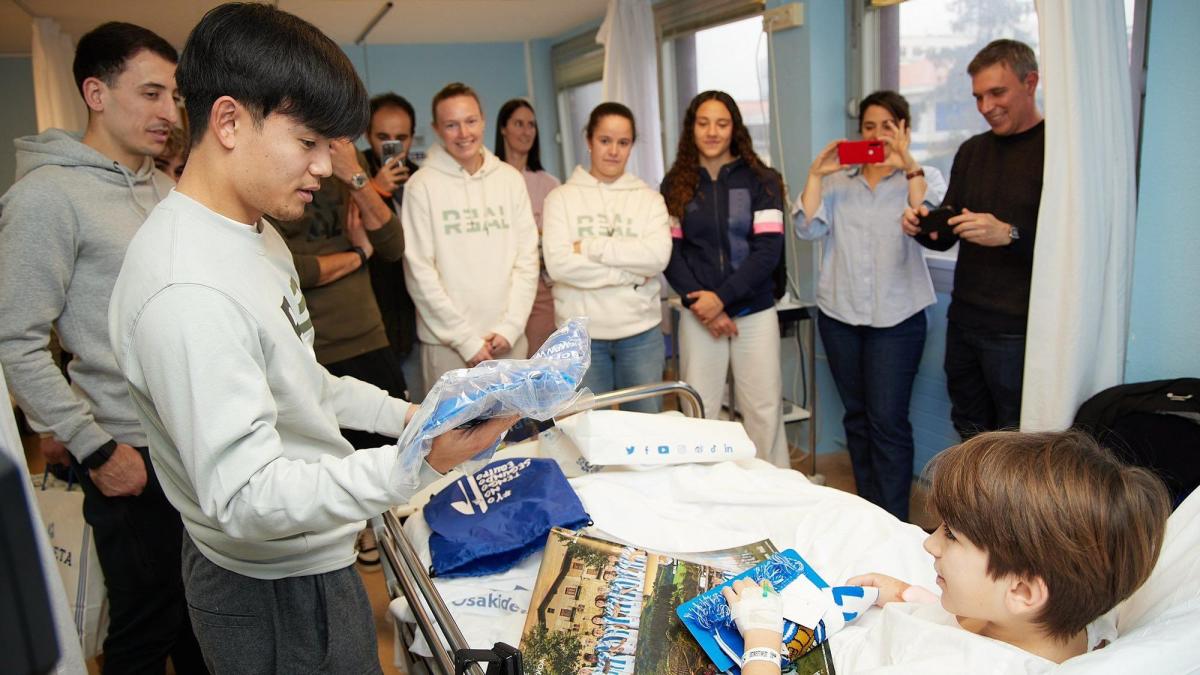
x=496 y=70
x=1164 y=333
x=18 y=117
x=546 y=106
x=810 y=82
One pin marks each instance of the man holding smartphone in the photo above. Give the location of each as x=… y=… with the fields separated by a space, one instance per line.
x=995 y=189
x=390 y=135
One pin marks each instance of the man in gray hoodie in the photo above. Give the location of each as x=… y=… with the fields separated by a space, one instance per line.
x=64 y=228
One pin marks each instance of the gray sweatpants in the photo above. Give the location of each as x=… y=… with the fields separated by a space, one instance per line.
x=320 y=623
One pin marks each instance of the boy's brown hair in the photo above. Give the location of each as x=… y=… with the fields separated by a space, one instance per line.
x=1058 y=506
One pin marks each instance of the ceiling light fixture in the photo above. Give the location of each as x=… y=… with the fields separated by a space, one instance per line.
x=387 y=6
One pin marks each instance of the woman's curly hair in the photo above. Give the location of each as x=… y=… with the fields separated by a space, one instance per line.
x=683 y=179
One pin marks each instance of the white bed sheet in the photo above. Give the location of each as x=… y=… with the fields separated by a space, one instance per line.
x=688 y=508
x=695 y=507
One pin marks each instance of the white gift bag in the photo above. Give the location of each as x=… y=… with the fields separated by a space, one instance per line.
x=61 y=506
x=607 y=437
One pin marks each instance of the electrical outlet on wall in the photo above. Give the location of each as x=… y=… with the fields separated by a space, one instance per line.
x=783 y=16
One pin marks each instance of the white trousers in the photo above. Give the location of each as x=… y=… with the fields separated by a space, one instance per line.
x=436 y=360
x=757 y=376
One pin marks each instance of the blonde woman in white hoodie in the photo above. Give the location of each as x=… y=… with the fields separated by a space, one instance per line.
x=470 y=254
x=605 y=239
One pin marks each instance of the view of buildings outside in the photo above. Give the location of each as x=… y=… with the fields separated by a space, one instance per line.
x=938 y=38
x=733 y=58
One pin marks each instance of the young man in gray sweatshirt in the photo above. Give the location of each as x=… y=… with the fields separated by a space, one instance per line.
x=216 y=342
x=64 y=229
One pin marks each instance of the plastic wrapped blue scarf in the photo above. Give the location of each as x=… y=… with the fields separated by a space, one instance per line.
x=539 y=388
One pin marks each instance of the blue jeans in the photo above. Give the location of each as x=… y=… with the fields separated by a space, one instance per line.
x=984 y=374
x=874 y=369
x=628 y=362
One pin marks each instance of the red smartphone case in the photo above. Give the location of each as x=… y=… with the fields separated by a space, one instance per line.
x=860 y=152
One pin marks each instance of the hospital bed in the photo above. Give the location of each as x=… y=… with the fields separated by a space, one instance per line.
x=406 y=573
x=704 y=507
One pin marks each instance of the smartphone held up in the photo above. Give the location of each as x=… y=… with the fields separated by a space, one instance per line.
x=392 y=151
x=860 y=152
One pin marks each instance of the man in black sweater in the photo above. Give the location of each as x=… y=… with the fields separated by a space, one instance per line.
x=995 y=187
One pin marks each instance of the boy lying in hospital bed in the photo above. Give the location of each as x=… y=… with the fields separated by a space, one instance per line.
x=1042 y=535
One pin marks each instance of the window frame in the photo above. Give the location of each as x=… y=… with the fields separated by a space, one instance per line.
x=677 y=20
x=575 y=62
x=875 y=54
x=579 y=60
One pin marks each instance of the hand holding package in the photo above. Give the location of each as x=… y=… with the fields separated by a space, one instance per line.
x=539 y=387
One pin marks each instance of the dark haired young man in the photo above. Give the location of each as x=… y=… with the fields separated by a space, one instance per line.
x=215 y=340
x=996 y=185
x=66 y=223
x=394 y=119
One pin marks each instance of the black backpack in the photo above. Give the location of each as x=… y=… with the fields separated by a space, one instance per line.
x=1151 y=424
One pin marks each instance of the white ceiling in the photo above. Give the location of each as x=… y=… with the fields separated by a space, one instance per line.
x=409 y=21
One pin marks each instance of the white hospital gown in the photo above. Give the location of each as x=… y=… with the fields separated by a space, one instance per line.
x=925 y=638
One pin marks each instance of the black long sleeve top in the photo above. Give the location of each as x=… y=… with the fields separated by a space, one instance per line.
x=1000 y=175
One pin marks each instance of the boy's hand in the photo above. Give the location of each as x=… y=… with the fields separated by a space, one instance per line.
x=755 y=607
x=890 y=588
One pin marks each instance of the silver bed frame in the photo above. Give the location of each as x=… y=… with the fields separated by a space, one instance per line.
x=411 y=580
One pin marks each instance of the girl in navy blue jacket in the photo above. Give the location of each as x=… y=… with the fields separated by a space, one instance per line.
x=726 y=210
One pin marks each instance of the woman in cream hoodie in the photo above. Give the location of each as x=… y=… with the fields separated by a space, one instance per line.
x=470 y=254
x=605 y=241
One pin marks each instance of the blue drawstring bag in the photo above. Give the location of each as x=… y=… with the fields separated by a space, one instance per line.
x=489 y=521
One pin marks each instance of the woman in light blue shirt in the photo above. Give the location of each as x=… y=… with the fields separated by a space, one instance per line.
x=873 y=290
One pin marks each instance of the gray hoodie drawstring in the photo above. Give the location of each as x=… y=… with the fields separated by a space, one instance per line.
x=132 y=188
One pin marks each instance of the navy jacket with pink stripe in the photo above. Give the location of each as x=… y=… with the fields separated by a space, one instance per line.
x=730 y=240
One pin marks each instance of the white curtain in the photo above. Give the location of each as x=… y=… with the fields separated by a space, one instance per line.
x=1083 y=260
x=631 y=77
x=54 y=93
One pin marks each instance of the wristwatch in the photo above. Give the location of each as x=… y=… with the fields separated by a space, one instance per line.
x=101 y=455
x=358 y=181
x=913 y=174
x=362 y=255
x=1013 y=233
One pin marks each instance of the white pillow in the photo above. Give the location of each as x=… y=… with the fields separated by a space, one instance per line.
x=607 y=437
x=1159 y=625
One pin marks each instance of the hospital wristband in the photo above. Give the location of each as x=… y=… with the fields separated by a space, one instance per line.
x=760 y=654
